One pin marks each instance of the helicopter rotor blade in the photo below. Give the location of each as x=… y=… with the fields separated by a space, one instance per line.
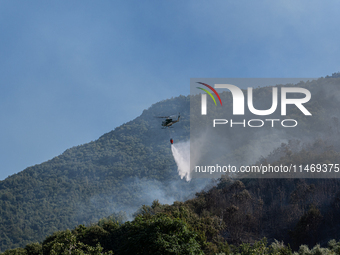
x=162 y=116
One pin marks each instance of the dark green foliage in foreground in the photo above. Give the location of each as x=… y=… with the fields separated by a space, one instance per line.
x=232 y=217
x=158 y=235
x=173 y=230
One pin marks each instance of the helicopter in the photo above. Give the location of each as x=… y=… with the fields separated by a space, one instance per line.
x=168 y=122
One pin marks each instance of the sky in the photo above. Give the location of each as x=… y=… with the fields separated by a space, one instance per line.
x=71 y=71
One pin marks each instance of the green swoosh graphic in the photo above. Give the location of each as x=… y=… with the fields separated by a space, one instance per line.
x=208 y=93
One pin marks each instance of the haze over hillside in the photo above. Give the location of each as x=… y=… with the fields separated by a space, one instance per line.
x=125 y=168
x=133 y=165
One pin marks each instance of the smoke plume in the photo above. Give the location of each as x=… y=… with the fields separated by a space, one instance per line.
x=181 y=153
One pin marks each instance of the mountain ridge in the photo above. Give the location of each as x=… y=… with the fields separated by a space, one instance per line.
x=52 y=191
x=125 y=168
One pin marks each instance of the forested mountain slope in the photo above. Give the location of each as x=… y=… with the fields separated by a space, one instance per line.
x=133 y=165
x=125 y=168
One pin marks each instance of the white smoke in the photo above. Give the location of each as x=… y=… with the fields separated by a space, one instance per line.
x=185 y=155
x=181 y=153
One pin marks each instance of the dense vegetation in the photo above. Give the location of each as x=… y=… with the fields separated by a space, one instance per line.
x=202 y=226
x=122 y=170
x=132 y=165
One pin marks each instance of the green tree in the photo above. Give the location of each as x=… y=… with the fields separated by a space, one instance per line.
x=65 y=242
x=159 y=235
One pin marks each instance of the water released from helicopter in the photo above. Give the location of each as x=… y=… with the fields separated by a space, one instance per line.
x=181 y=154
